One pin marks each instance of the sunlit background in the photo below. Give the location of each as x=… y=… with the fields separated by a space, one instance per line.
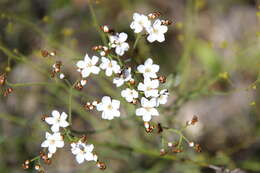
x=211 y=58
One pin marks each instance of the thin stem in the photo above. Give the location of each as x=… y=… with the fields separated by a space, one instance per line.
x=95 y=21
x=28 y=84
x=70 y=105
x=136 y=40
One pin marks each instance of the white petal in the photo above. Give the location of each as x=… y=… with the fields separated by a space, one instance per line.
x=141 y=87
x=90 y=148
x=100 y=107
x=94 y=60
x=50 y=120
x=147 y=118
x=151 y=38
x=115 y=104
x=136 y=16
x=63 y=116
x=55 y=114
x=59 y=144
x=122 y=37
x=140 y=111
x=154 y=112
x=116 y=113
x=106 y=100
x=95 y=69
x=160 y=38
x=45 y=144
x=81 y=64
x=149 y=61
x=55 y=127
x=64 y=123
x=52 y=148
x=155 y=68
x=80 y=158
x=109 y=71
x=89 y=156
x=163 y=29
x=141 y=68
x=85 y=72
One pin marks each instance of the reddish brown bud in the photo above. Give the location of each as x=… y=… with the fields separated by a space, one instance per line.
x=101 y=165
x=177 y=150
x=154 y=15
x=2 y=79
x=197 y=148
x=132 y=82
x=160 y=129
x=162 y=152
x=45 y=53
x=43 y=117
x=105 y=29
x=25 y=166
x=166 y=22
x=47 y=161
x=162 y=79
x=37 y=167
x=83 y=139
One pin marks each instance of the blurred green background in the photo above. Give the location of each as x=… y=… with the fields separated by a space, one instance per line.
x=211 y=57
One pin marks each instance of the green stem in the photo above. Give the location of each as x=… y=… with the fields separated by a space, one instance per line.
x=70 y=105
x=95 y=21
x=28 y=84
x=136 y=40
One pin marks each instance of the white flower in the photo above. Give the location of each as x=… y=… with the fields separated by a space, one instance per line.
x=129 y=94
x=149 y=69
x=118 y=41
x=52 y=142
x=156 y=32
x=109 y=107
x=147 y=110
x=163 y=97
x=124 y=77
x=110 y=66
x=140 y=22
x=149 y=87
x=88 y=66
x=57 y=120
x=62 y=76
x=83 y=152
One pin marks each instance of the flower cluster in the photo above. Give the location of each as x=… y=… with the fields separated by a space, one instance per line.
x=155 y=29
x=140 y=85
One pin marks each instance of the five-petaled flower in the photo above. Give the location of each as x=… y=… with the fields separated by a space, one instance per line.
x=140 y=22
x=57 y=120
x=148 y=69
x=163 y=97
x=110 y=66
x=52 y=142
x=156 y=32
x=148 y=109
x=118 y=42
x=129 y=94
x=149 y=87
x=109 y=108
x=83 y=152
x=88 y=66
x=124 y=77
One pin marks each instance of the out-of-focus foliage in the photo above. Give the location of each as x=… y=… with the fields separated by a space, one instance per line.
x=211 y=57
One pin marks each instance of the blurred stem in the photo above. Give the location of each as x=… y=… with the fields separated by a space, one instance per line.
x=13 y=119
x=27 y=84
x=95 y=21
x=70 y=105
x=136 y=40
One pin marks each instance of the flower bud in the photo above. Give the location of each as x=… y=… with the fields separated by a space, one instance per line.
x=37 y=167
x=162 y=152
x=2 y=79
x=162 y=79
x=154 y=15
x=101 y=165
x=132 y=82
x=166 y=22
x=44 y=53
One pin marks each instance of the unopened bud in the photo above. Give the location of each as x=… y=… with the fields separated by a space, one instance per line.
x=154 y=15
x=2 y=79
x=101 y=165
x=162 y=152
x=162 y=79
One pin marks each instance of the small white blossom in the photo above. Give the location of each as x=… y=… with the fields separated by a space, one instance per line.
x=62 y=76
x=149 y=87
x=110 y=66
x=83 y=152
x=148 y=69
x=52 y=142
x=156 y=32
x=129 y=94
x=140 y=22
x=109 y=108
x=124 y=77
x=147 y=110
x=88 y=66
x=57 y=120
x=118 y=42
x=163 y=97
